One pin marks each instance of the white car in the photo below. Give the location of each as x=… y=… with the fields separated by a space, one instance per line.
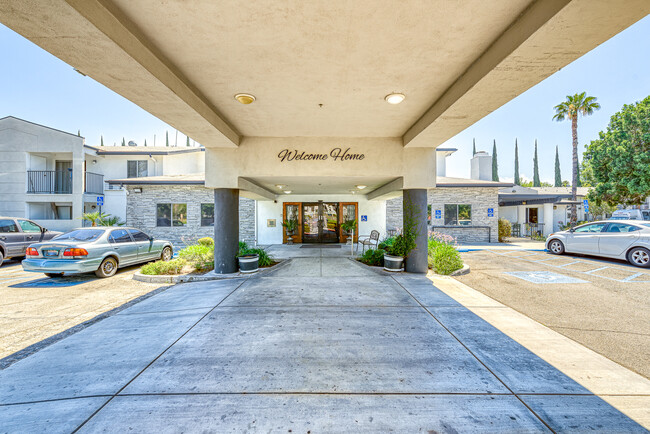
x=618 y=239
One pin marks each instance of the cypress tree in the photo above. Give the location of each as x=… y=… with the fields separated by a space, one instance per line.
x=102 y=141
x=473 y=147
x=495 y=165
x=145 y=142
x=79 y=133
x=517 y=180
x=188 y=141
x=558 y=176
x=123 y=142
x=167 y=138
x=536 y=181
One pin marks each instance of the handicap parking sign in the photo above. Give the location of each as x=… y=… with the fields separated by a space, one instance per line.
x=364 y=218
x=438 y=214
x=100 y=200
x=490 y=212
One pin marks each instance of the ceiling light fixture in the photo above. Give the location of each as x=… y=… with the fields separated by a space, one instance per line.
x=280 y=186
x=394 y=98
x=287 y=191
x=360 y=187
x=245 y=98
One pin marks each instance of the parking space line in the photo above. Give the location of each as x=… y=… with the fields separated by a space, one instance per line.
x=628 y=278
x=570 y=263
x=597 y=269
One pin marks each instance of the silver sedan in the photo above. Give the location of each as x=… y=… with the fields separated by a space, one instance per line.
x=98 y=249
x=620 y=239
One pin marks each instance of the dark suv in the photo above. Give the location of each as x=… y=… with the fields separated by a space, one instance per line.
x=16 y=234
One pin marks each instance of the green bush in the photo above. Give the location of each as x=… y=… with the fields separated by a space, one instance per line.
x=373 y=257
x=505 y=229
x=206 y=241
x=444 y=259
x=164 y=267
x=265 y=260
x=242 y=248
x=384 y=245
x=199 y=256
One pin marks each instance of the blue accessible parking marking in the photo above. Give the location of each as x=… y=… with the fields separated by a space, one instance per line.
x=51 y=282
x=544 y=277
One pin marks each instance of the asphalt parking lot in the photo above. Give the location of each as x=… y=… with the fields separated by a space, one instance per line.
x=601 y=304
x=34 y=307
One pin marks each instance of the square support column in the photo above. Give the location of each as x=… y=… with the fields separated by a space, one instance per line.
x=415 y=210
x=226 y=230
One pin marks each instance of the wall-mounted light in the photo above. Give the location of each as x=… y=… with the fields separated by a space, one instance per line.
x=137 y=190
x=94 y=161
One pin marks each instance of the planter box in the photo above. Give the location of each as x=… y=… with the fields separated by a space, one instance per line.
x=248 y=263
x=393 y=263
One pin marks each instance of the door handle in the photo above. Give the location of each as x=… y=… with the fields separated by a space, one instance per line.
x=3 y=238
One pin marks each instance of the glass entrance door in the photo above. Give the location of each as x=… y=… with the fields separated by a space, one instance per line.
x=320 y=222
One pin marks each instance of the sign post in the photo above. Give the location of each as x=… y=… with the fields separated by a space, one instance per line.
x=100 y=202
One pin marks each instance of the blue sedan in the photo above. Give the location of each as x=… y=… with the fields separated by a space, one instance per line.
x=97 y=249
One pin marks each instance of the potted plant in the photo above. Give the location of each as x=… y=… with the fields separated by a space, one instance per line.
x=248 y=259
x=349 y=226
x=290 y=226
x=394 y=254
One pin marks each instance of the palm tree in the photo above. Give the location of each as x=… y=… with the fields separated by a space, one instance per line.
x=578 y=104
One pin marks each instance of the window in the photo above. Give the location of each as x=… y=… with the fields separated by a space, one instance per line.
x=429 y=213
x=8 y=226
x=28 y=226
x=458 y=215
x=168 y=214
x=621 y=227
x=137 y=168
x=594 y=227
x=120 y=236
x=138 y=235
x=81 y=235
x=207 y=214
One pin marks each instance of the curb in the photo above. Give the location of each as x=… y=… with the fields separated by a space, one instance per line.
x=184 y=278
x=462 y=271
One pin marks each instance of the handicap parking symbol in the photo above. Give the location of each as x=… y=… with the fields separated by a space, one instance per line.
x=364 y=218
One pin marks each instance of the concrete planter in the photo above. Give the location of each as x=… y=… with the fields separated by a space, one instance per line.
x=248 y=263
x=393 y=263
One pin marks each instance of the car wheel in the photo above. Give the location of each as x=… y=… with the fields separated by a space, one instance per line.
x=556 y=247
x=167 y=254
x=639 y=257
x=54 y=274
x=2 y=258
x=107 y=268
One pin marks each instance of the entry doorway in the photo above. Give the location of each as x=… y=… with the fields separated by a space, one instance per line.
x=319 y=222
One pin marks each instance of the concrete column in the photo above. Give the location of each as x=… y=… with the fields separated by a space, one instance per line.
x=415 y=209
x=226 y=230
x=548 y=219
x=521 y=215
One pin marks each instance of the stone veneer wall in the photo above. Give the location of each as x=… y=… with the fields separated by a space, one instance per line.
x=141 y=212
x=481 y=198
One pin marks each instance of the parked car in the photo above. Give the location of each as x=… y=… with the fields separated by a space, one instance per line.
x=627 y=214
x=99 y=249
x=16 y=234
x=621 y=239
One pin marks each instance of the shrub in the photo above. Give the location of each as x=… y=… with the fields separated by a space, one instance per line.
x=386 y=243
x=373 y=257
x=206 y=241
x=242 y=248
x=265 y=260
x=199 y=256
x=445 y=259
x=164 y=267
x=505 y=229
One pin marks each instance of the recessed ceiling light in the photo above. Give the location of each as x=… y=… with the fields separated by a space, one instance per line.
x=280 y=186
x=287 y=191
x=394 y=98
x=360 y=187
x=245 y=98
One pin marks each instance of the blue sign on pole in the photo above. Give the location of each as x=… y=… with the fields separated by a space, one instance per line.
x=490 y=212
x=100 y=200
x=585 y=204
x=364 y=218
x=438 y=214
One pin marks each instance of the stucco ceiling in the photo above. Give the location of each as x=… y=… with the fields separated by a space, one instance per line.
x=320 y=185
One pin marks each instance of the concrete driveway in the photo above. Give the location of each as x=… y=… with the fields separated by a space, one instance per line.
x=321 y=344
x=603 y=304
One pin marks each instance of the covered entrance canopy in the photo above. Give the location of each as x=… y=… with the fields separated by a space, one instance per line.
x=319 y=73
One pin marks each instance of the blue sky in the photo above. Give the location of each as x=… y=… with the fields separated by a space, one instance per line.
x=38 y=87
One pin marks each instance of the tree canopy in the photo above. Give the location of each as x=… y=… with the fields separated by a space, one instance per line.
x=620 y=159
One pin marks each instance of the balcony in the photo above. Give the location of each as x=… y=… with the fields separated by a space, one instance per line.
x=60 y=182
x=94 y=183
x=49 y=181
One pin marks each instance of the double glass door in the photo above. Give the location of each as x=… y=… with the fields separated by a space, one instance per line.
x=320 y=222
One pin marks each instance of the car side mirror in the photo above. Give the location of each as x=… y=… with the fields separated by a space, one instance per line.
x=572 y=230
x=43 y=230
x=150 y=238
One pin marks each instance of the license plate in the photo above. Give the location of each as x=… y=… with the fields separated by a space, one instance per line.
x=50 y=253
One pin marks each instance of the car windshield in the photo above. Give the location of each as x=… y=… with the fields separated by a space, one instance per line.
x=81 y=235
x=645 y=224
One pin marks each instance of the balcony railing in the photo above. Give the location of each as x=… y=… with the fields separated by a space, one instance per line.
x=49 y=181
x=94 y=183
